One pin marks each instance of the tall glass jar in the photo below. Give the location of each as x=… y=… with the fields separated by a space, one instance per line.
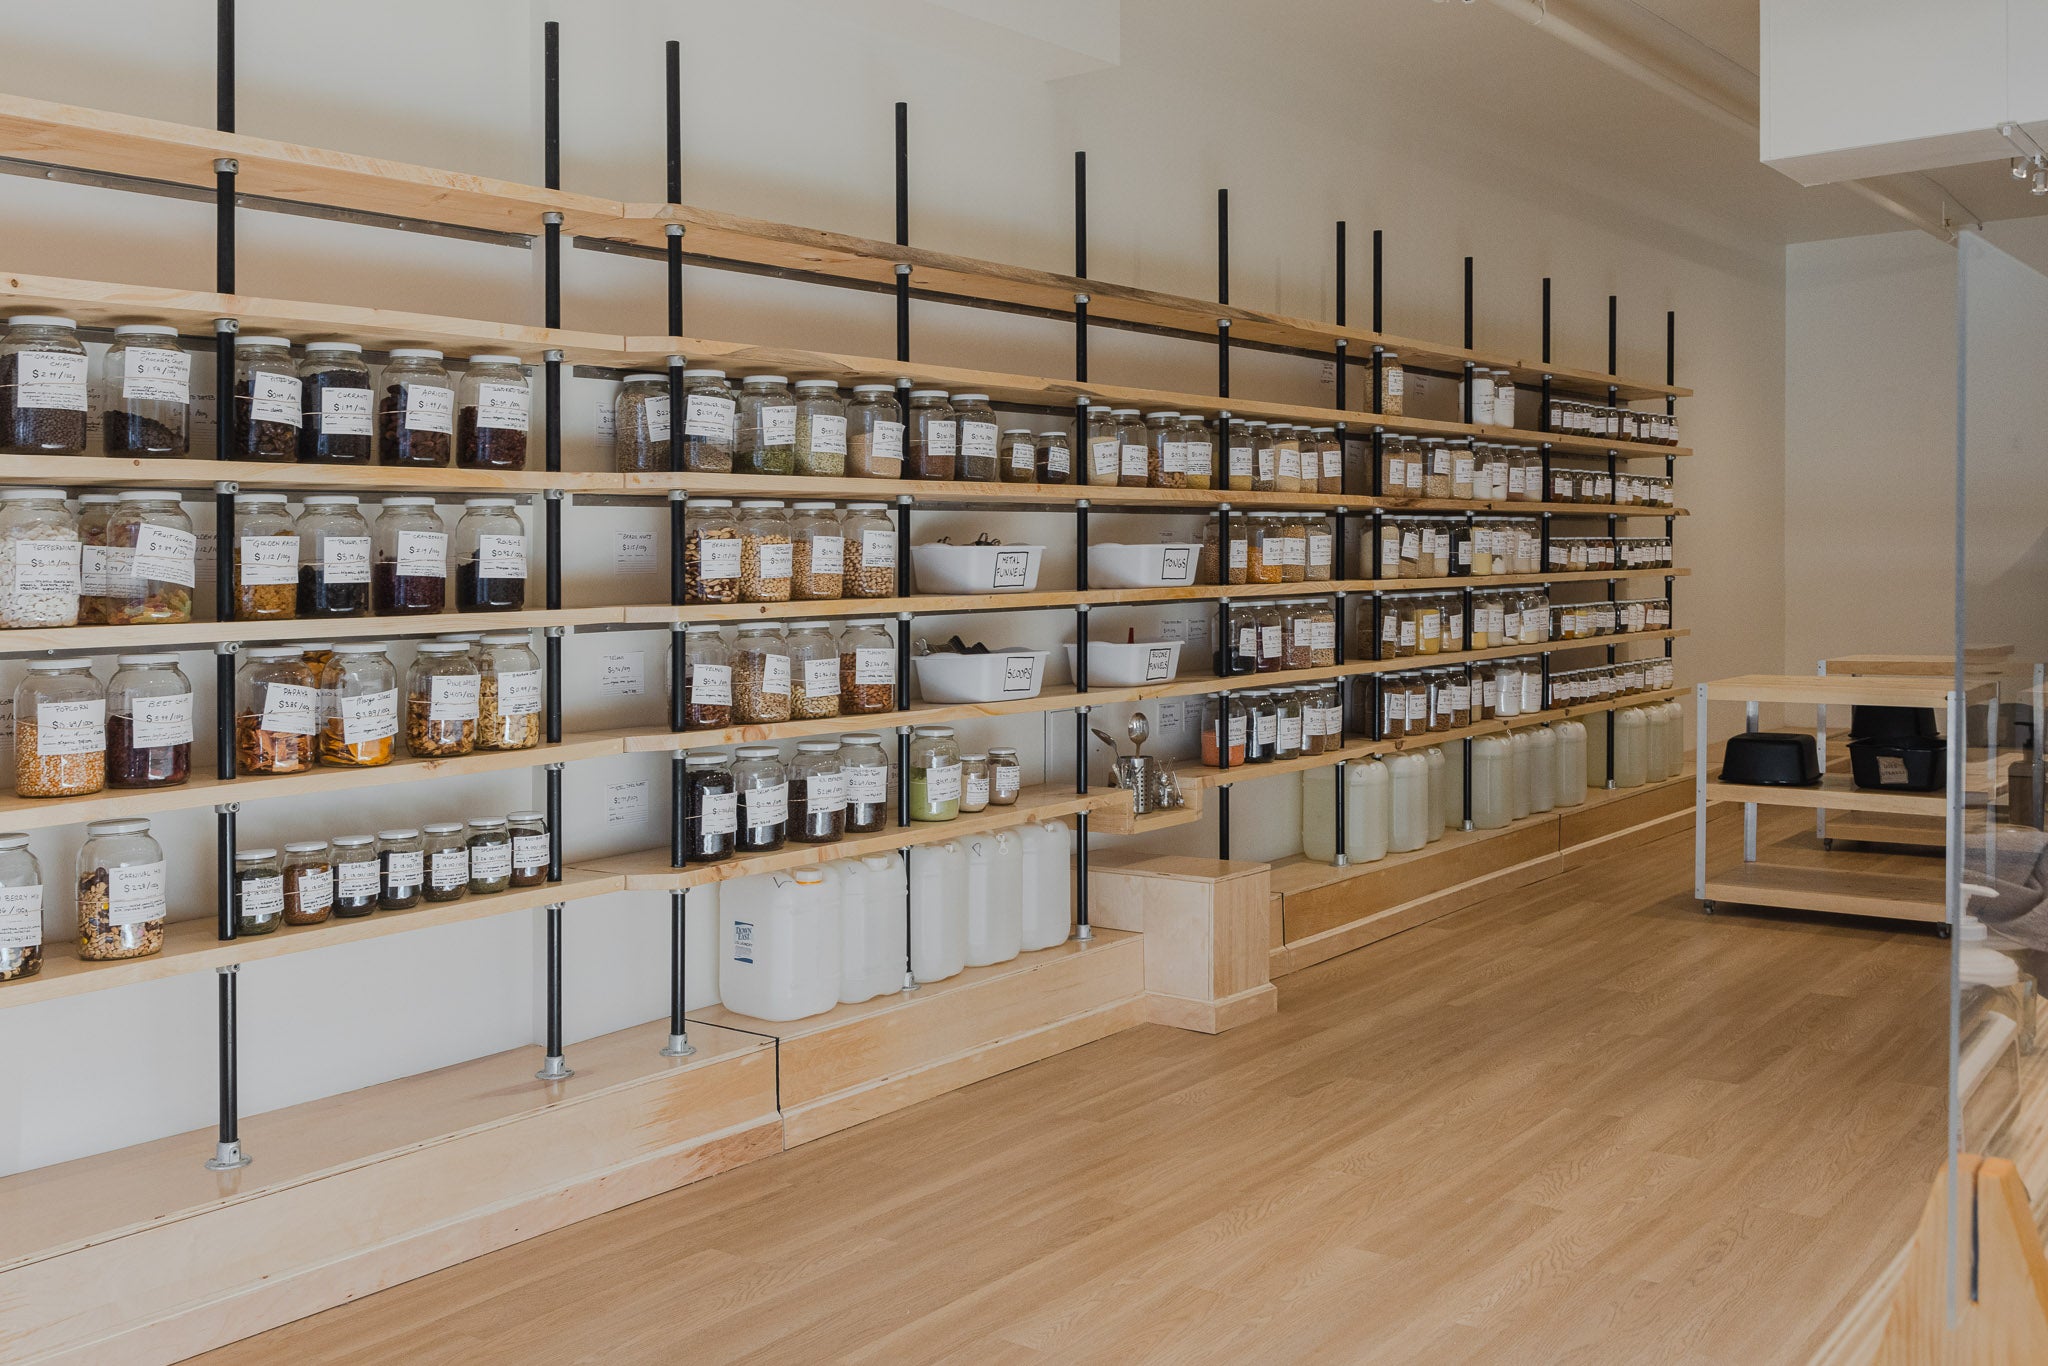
x=277 y=711
x=21 y=910
x=711 y=807
x=402 y=863
x=1102 y=446
x=60 y=730
x=874 y=433
x=146 y=393
x=409 y=543
x=416 y=412
x=1055 y=457
x=866 y=768
x=447 y=858
x=532 y=850
x=867 y=668
x=152 y=563
x=490 y=557
x=356 y=876
x=979 y=444
x=494 y=410
x=710 y=422
x=308 y=882
x=817 y=794
x=149 y=723
x=258 y=899
x=123 y=892
x=1198 y=448
x=767 y=440
x=42 y=386
x=337 y=417
x=818 y=553
x=265 y=560
x=441 y=701
x=1265 y=457
x=1239 y=457
x=1134 y=449
x=763 y=787
x=1321 y=549
x=1224 y=722
x=1005 y=775
x=490 y=855
x=1287 y=467
x=95 y=510
x=1020 y=456
x=868 y=538
x=1329 y=460
x=760 y=675
x=358 y=706
x=510 y=692
x=1166 y=456
x=934 y=436
x=1211 y=566
x=269 y=403
x=767 y=561
x=1262 y=729
x=640 y=425
x=711 y=553
x=707 y=678
x=934 y=774
x=820 y=428
x=334 y=557
x=813 y=671
x=39 y=559
x=1392 y=384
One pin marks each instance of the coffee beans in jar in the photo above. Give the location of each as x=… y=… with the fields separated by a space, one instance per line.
x=866 y=769
x=42 y=386
x=762 y=784
x=711 y=807
x=817 y=794
x=147 y=392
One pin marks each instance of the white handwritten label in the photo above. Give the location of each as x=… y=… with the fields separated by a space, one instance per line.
x=888 y=441
x=290 y=709
x=21 y=917
x=269 y=560
x=430 y=408
x=502 y=407
x=867 y=784
x=50 y=380
x=622 y=673
x=825 y=793
x=165 y=554
x=519 y=692
x=370 y=717
x=708 y=416
x=46 y=567
x=718 y=558
x=274 y=398
x=422 y=555
x=821 y=677
x=136 y=894
x=160 y=721
x=721 y=813
x=878 y=549
x=345 y=559
x=828 y=434
x=449 y=869
x=452 y=697
x=71 y=727
x=345 y=412
x=156 y=374
x=634 y=552
x=500 y=557
x=768 y=805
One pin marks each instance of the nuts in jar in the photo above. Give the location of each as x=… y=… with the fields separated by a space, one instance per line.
x=868 y=545
x=767 y=562
x=711 y=553
x=442 y=701
x=818 y=555
x=867 y=668
x=510 y=692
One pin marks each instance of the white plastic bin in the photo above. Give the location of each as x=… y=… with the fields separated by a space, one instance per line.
x=975 y=568
x=1407 y=802
x=998 y=676
x=1117 y=664
x=1365 y=812
x=1117 y=564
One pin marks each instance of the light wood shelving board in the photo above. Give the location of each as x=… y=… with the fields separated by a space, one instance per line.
x=122 y=472
x=1836 y=889
x=1878 y=827
x=1917 y=666
x=1832 y=690
x=1834 y=792
x=184 y=634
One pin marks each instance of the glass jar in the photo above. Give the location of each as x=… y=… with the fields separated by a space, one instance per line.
x=277 y=711
x=1241 y=653
x=308 y=882
x=1223 y=715
x=1198 y=446
x=1005 y=776
x=1262 y=729
x=1391 y=385
x=711 y=819
x=760 y=675
x=416 y=412
x=1296 y=633
x=820 y=428
x=1103 y=445
x=867 y=668
x=866 y=769
x=1166 y=457
x=1287 y=471
x=60 y=730
x=711 y=553
x=1134 y=449
x=510 y=692
x=39 y=559
x=409 y=573
x=334 y=557
x=767 y=426
x=707 y=678
x=874 y=433
x=934 y=436
x=868 y=546
x=146 y=393
x=446 y=847
x=95 y=510
x=490 y=855
x=1321 y=549
x=1239 y=457
x=813 y=671
x=767 y=561
x=490 y=557
x=1287 y=724
x=21 y=910
x=974 y=783
x=1209 y=564
x=149 y=723
x=1329 y=461
x=42 y=386
x=1272 y=638
x=1308 y=702
x=495 y=406
x=402 y=864
x=152 y=560
x=356 y=876
x=268 y=401
x=817 y=794
x=442 y=701
x=358 y=706
x=265 y=561
x=122 y=891
x=1265 y=557
x=762 y=785
x=710 y=422
x=1020 y=456
x=979 y=446
x=1264 y=469
x=817 y=553
x=1291 y=540
x=934 y=774
x=532 y=850
x=640 y=425
x=336 y=417
x=258 y=899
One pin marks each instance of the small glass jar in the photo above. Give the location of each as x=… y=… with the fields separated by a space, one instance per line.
x=122 y=891
x=269 y=405
x=1134 y=449
x=935 y=777
x=813 y=671
x=265 y=562
x=1005 y=776
x=867 y=668
x=1264 y=467
x=1223 y=730
x=258 y=898
x=710 y=422
x=21 y=910
x=1102 y=447
x=934 y=435
x=409 y=542
x=337 y=419
x=40 y=555
x=490 y=557
x=868 y=546
x=146 y=393
x=446 y=846
x=640 y=425
x=490 y=855
x=874 y=433
x=1329 y=460
x=42 y=386
x=817 y=553
x=1262 y=729
x=511 y=692
x=1166 y=458
x=711 y=553
x=1287 y=724
x=532 y=850
x=767 y=433
x=817 y=794
x=711 y=807
x=152 y=560
x=402 y=864
x=980 y=445
x=149 y=723
x=1054 y=457
x=760 y=675
x=1292 y=540
x=60 y=730
x=762 y=785
x=974 y=784
x=707 y=678
x=1198 y=448
x=1210 y=563
x=334 y=557
x=1020 y=456
x=820 y=428
x=495 y=405
x=358 y=706
x=442 y=690
x=767 y=560
x=865 y=767
x=308 y=882
x=356 y=876
x=416 y=411
x=95 y=510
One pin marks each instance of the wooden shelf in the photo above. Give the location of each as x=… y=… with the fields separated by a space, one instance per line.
x=194 y=633
x=107 y=471
x=1834 y=792
x=1928 y=832
x=1117 y=819
x=1918 y=666
x=1837 y=690
x=1834 y=889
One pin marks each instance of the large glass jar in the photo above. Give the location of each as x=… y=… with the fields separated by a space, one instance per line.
x=441 y=701
x=532 y=851
x=446 y=846
x=1321 y=549
x=258 y=899
x=490 y=855
x=1210 y=564
x=39 y=559
x=95 y=510
x=21 y=910
x=711 y=808
x=409 y=576
x=1391 y=384
x=268 y=402
x=1262 y=729
x=874 y=433
x=1291 y=543
x=494 y=409
x=820 y=428
x=1272 y=623
x=640 y=425
x=402 y=863
x=1134 y=449
x=336 y=398
x=1198 y=450
x=152 y=562
x=149 y=723
x=1102 y=445
x=817 y=794
x=1223 y=730
x=868 y=541
x=60 y=730
x=510 y=692
x=767 y=440
x=1020 y=456
x=763 y=787
x=866 y=769
x=277 y=711
x=767 y=562
x=265 y=560
x=817 y=553
x=308 y=882
x=867 y=668
x=979 y=444
x=1265 y=467
x=707 y=678
x=813 y=671
x=356 y=876
x=760 y=675
x=490 y=557
x=934 y=436
x=934 y=774
x=1329 y=461
x=710 y=422
x=1166 y=457
x=1287 y=720
x=42 y=386
x=334 y=557
x=1055 y=457
x=146 y=393
x=711 y=552
x=1287 y=467
x=359 y=706
x=123 y=893
x=416 y=413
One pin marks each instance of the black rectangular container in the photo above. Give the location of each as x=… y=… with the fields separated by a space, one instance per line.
x=1903 y=763
x=1771 y=758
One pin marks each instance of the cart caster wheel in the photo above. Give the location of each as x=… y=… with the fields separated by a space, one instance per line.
x=1828 y=845
x=1943 y=931
x=1706 y=908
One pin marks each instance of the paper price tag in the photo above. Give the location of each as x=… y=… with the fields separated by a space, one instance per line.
x=346 y=412
x=163 y=721
x=422 y=555
x=71 y=727
x=622 y=673
x=634 y=552
x=502 y=407
x=625 y=803
x=430 y=408
x=269 y=560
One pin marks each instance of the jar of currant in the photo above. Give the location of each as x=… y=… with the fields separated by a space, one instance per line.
x=531 y=848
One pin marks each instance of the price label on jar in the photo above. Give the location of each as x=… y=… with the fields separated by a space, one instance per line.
x=978 y=440
x=711 y=685
x=491 y=862
x=1201 y=458
x=93 y=577
x=873 y=664
x=452 y=697
x=1102 y=457
x=519 y=692
x=422 y=555
x=1397 y=473
x=1289 y=732
x=1240 y=553
x=721 y=813
x=1269 y=641
x=530 y=851
x=502 y=407
x=1290 y=461
x=708 y=416
x=867 y=784
x=1248 y=642
x=21 y=917
x=1023 y=457
x=274 y=398
x=775 y=675
x=500 y=557
x=162 y=721
x=768 y=805
x=828 y=555
x=778 y=560
x=821 y=677
x=345 y=412
x=403 y=869
x=46 y=567
x=1333 y=463
x=1136 y=460
x=450 y=869
x=357 y=880
x=1058 y=459
x=156 y=374
x=1322 y=635
x=778 y=425
x=1265 y=464
x=942 y=438
x=1266 y=728
x=165 y=554
x=878 y=549
x=269 y=561
x=1411 y=544
x=1319 y=547
x=71 y=727
x=290 y=709
x=828 y=434
x=262 y=897
x=942 y=784
x=888 y=441
x=718 y=557
x=430 y=408
x=136 y=894
x=825 y=793
x=657 y=419
x=370 y=717
x=974 y=786
x=316 y=890
x=1173 y=457
x=1240 y=462
x=345 y=559
x=50 y=379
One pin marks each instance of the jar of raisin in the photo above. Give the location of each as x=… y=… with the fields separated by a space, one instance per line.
x=490 y=557
x=337 y=418
x=416 y=414
x=494 y=409
x=409 y=576
x=268 y=401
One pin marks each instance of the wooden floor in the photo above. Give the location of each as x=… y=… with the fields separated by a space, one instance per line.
x=1581 y=1122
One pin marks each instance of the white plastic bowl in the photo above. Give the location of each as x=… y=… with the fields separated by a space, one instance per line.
x=998 y=676
x=1123 y=565
x=975 y=568
x=1114 y=664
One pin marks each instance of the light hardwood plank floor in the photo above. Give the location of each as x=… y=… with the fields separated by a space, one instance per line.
x=1580 y=1122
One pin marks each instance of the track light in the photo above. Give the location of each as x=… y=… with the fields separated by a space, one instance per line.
x=2041 y=180
x=2018 y=168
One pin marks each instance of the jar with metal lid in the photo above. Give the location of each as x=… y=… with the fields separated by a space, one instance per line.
x=446 y=847
x=707 y=678
x=1290 y=473
x=710 y=422
x=308 y=882
x=1019 y=463
x=1134 y=449
x=817 y=794
x=146 y=393
x=1240 y=652
x=817 y=553
x=1308 y=701
x=258 y=898
x=60 y=730
x=974 y=783
x=358 y=706
x=277 y=711
x=813 y=671
x=531 y=848
x=1198 y=447
x=123 y=892
x=409 y=545
x=443 y=689
x=1265 y=467
x=152 y=560
x=866 y=769
x=934 y=435
x=640 y=425
x=39 y=559
x=21 y=910
x=820 y=428
x=416 y=410
x=490 y=855
x=1209 y=564
x=402 y=862
x=867 y=668
x=1005 y=776
x=1322 y=628
x=42 y=386
x=710 y=805
x=760 y=675
x=1321 y=549
x=979 y=445
x=1240 y=455
x=356 y=876
x=268 y=401
x=336 y=405
x=95 y=510
x=490 y=557
x=767 y=426
x=149 y=723
x=494 y=410
x=1166 y=456
x=334 y=557
x=1295 y=633
x=767 y=560
x=762 y=785
x=874 y=432
x=1499 y=462
x=265 y=560
x=868 y=546
x=1328 y=466
x=1223 y=730
x=711 y=552
x=934 y=774
x=1392 y=382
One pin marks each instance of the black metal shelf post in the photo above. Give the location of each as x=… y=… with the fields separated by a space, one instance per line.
x=1671 y=470
x=1081 y=929
x=1223 y=512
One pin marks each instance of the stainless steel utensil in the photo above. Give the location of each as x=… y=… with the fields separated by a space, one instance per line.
x=1139 y=729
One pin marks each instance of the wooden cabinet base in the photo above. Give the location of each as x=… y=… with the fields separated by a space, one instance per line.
x=2001 y=1299
x=1204 y=923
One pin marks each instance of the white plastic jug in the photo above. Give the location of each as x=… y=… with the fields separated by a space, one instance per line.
x=1656 y=734
x=1490 y=782
x=700 y=947
x=1631 y=765
x=1674 y=739
x=1365 y=812
x=1407 y=802
x=1542 y=765
x=995 y=892
x=1518 y=775
x=779 y=944
x=870 y=926
x=1453 y=815
x=1571 y=763
x=1434 y=757
x=938 y=911
x=1048 y=884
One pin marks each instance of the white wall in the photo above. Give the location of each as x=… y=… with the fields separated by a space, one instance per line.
x=787 y=115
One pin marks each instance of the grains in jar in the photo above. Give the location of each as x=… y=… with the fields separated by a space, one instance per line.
x=767 y=562
x=60 y=730
x=760 y=676
x=1286 y=440
x=640 y=424
x=818 y=553
x=1102 y=447
x=874 y=433
x=974 y=784
x=813 y=671
x=710 y=422
x=1292 y=538
x=979 y=445
x=1020 y=456
x=308 y=882
x=820 y=428
x=767 y=426
x=1329 y=460
x=867 y=668
x=1322 y=550
x=1392 y=383
x=1199 y=448
x=868 y=545
x=1134 y=449
x=1239 y=567
x=1166 y=456
x=711 y=552
x=933 y=434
